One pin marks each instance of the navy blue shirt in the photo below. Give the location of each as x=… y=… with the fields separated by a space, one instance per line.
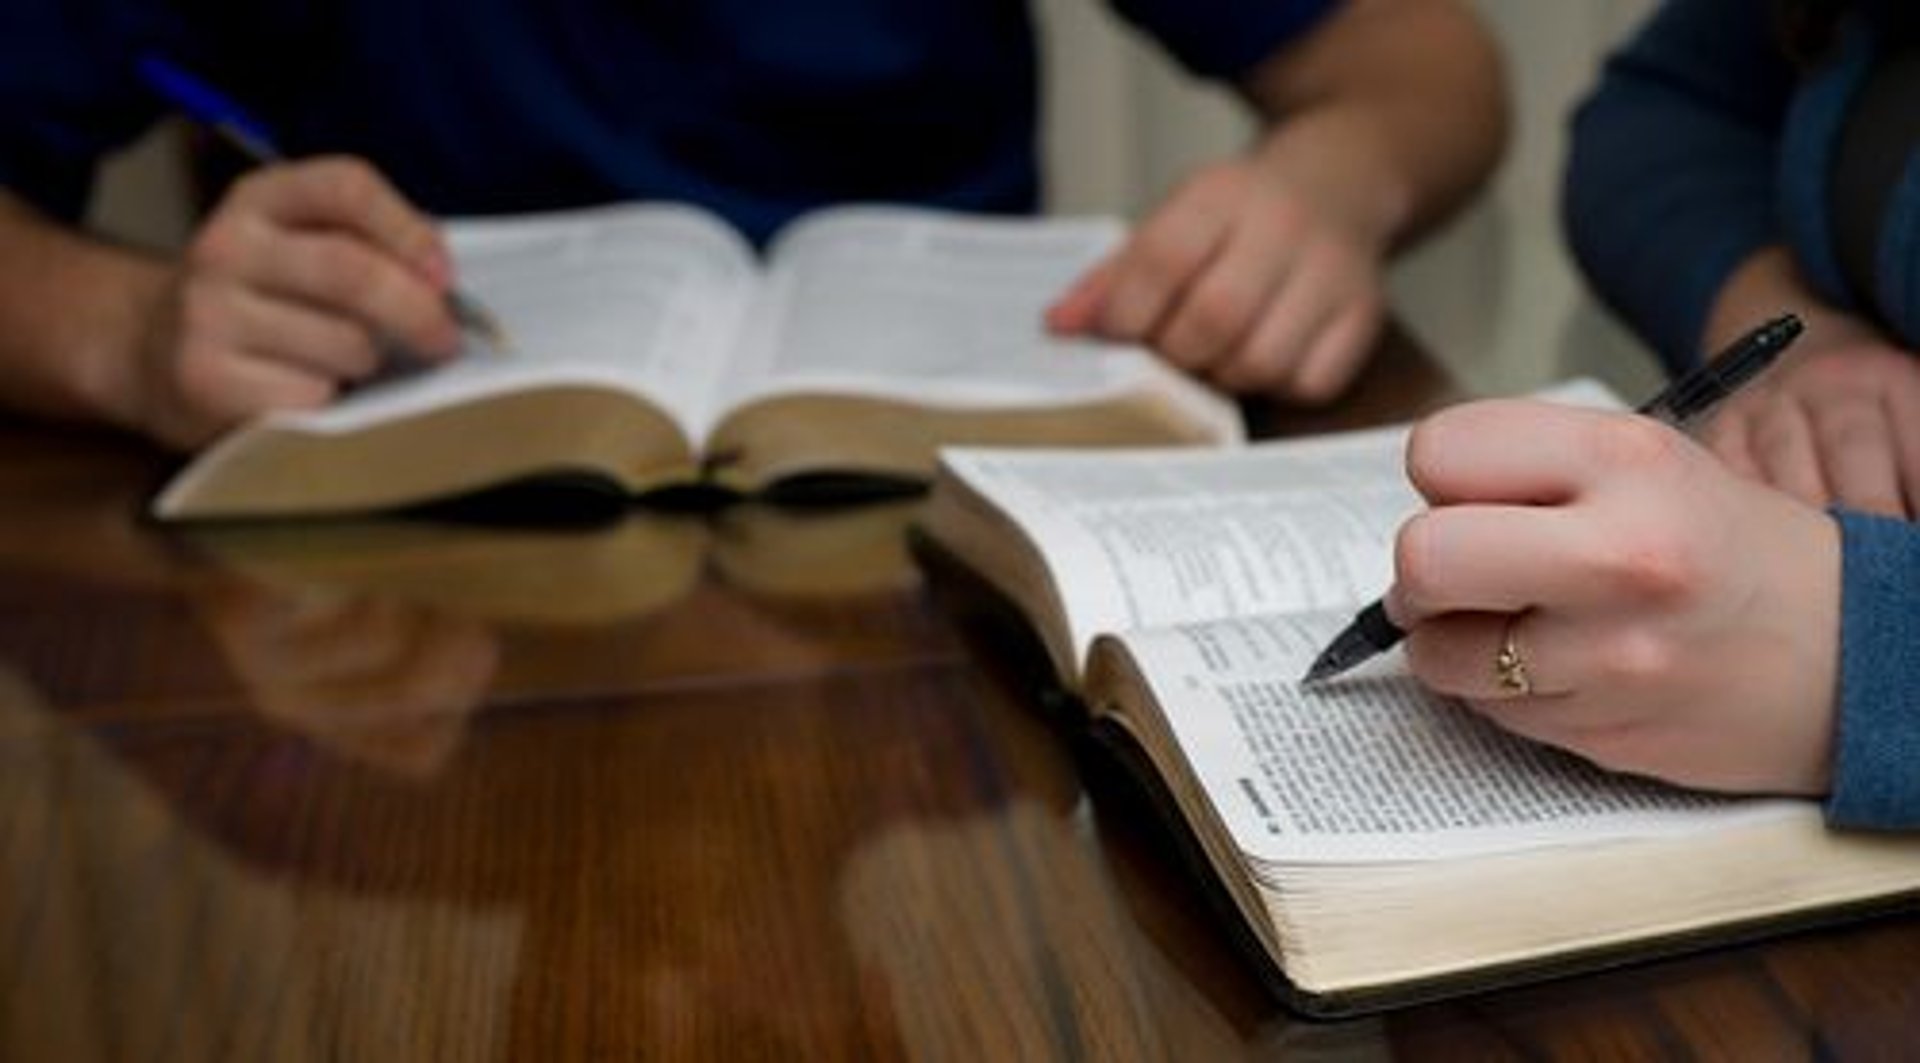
x=1706 y=141
x=1671 y=180
x=757 y=109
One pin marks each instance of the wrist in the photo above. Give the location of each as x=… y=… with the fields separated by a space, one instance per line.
x=112 y=375
x=1334 y=161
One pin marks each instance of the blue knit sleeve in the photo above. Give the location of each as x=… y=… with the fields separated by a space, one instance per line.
x=1876 y=760
x=1670 y=181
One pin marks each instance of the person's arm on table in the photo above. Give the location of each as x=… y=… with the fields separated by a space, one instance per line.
x=1674 y=619
x=1263 y=272
x=1670 y=209
x=284 y=296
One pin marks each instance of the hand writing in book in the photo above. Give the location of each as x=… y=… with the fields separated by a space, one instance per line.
x=290 y=290
x=1249 y=275
x=1674 y=619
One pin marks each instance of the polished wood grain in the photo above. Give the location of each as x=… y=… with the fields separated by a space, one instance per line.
x=390 y=790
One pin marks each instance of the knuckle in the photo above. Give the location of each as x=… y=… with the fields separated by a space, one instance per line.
x=1633 y=443
x=1216 y=312
x=1861 y=370
x=339 y=270
x=1163 y=261
x=1321 y=384
x=1635 y=659
x=1413 y=565
x=1428 y=660
x=203 y=308
x=1427 y=447
x=1659 y=570
x=218 y=247
x=1253 y=371
x=351 y=183
x=200 y=376
x=251 y=186
x=1854 y=426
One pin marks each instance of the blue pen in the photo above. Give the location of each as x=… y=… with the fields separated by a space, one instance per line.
x=208 y=106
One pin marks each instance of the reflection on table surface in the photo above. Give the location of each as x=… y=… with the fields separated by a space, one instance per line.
x=689 y=786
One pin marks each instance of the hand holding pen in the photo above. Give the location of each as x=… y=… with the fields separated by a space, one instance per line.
x=1682 y=404
x=1598 y=581
x=300 y=283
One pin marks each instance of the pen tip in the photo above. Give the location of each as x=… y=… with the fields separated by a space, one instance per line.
x=483 y=322
x=499 y=338
x=1322 y=669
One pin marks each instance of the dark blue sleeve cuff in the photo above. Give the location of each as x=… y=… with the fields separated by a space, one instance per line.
x=1876 y=752
x=1224 y=39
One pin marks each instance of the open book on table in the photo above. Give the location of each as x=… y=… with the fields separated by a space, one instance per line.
x=1378 y=844
x=651 y=348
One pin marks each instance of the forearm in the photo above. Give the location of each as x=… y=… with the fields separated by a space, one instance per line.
x=1391 y=113
x=73 y=312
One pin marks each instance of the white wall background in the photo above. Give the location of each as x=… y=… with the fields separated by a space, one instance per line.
x=1494 y=294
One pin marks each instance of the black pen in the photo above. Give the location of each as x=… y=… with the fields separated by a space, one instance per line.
x=1683 y=402
x=202 y=103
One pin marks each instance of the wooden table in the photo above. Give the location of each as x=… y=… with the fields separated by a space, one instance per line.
x=384 y=790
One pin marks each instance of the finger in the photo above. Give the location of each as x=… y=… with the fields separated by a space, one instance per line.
x=221 y=384
x=1783 y=447
x=1335 y=356
x=1528 y=453
x=327 y=344
x=1216 y=311
x=1857 y=460
x=1301 y=304
x=337 y=272
x=1903 y=413
x=1153 y=267
x=1500 y=559
x=347 y=193
x=1573 y=723
x=1728 y=437
x=1460 y=655
x=1077 y=310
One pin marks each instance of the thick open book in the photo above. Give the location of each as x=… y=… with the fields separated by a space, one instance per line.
x=1378 y=844
x=652 y=348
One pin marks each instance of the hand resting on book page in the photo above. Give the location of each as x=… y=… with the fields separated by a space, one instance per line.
x=1262 y=272
x=287 y=294
x=1244 y=278
x=1674 y=619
